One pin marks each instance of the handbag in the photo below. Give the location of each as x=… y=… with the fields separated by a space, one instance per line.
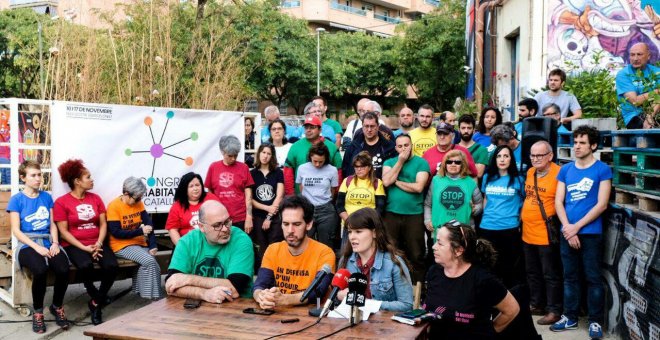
x=552 y=223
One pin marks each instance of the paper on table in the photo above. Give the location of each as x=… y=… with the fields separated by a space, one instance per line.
x=343 y=311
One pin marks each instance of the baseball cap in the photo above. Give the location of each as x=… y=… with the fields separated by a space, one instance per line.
x=313 y=120
x=444 y=128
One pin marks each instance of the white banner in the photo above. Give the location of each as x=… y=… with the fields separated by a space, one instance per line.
x=158 y=145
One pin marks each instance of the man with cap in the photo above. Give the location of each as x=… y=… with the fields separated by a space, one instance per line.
x=298 y=153
x=444 y=136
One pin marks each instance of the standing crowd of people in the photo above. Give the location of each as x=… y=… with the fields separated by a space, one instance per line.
x=453 y=208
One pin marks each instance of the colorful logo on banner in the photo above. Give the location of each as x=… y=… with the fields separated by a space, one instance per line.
x=158 y=150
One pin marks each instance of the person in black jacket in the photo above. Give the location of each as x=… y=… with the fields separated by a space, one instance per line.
x=372 y=140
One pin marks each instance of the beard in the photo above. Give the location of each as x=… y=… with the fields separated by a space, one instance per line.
x=406 y=125
x=466 y=137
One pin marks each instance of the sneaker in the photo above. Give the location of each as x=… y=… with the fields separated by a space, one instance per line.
x=595 y=331
x=38 y=324
x=96 y=313
x=60 y=317
x=563 y=324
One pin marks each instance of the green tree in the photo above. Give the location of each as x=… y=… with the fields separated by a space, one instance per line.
x=432 y=55
x=19 y=53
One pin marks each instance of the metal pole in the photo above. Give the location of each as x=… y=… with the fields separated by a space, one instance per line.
x=318 y=60
x=41 y=62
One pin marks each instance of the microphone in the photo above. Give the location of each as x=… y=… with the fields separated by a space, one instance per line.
x=317 y=280
x=357 y=286
x=339 y=282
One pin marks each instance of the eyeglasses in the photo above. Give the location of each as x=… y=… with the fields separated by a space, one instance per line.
x=135 y=198
x=276 y=129
x=452 y=161
x=551 y=114
x=218 y=226
x=360 y=166
x=464 y=239
x=539 y=156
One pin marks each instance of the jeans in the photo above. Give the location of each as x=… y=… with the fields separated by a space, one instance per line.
x=590 y=255
x=544 y=276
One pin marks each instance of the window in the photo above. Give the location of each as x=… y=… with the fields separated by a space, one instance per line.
x=284 y=107
x=251 y=105
x=367 y=7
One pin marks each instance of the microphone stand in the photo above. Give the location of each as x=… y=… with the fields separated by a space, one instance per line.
x=316 y=311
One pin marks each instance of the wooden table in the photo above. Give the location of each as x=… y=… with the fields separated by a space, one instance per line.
x=167 y=319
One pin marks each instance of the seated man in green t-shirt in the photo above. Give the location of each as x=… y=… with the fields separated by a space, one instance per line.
x=214 y=263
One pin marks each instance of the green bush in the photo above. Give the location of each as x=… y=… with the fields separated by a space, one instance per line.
x=595 y=92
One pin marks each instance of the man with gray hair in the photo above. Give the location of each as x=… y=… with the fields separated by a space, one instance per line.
x=214 y=263
x=313 y=109
x=354 y=127
x=540 y=245
x=374 y=108
x=271 y=113
x=504 y=135
x=230 y=180
x=553 y=111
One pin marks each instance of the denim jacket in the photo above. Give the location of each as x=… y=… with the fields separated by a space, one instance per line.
x=387 y=284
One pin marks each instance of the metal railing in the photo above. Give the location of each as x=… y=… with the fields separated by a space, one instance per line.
x=348 y=9
x=387 y=18
x=289 y=4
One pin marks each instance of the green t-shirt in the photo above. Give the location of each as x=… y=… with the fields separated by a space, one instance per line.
x=194 y=255
x=402 y=202
x=451 y=200
x=335 y=126
x=298 y=155
x=479 y=154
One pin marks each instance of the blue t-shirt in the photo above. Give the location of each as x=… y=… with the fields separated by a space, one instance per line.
x=628 y=81
x=34 y=213
x=481 y=139
x=503 y=203
x=326 y=131
x=582 y=192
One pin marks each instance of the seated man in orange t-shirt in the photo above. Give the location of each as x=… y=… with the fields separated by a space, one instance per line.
x=289 y=267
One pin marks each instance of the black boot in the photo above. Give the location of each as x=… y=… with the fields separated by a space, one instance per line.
x=96 y=312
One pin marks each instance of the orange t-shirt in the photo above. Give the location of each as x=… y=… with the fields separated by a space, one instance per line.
x=293 y=274
x=130 y=219
x=534 y=230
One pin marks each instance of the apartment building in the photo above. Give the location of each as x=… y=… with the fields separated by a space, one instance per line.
x=378 y=17
x=82 y=12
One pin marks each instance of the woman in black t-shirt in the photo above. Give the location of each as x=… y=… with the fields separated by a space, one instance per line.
x=462 y=293
x=267 y=193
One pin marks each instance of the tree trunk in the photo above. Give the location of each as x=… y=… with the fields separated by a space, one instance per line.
x=200 y=9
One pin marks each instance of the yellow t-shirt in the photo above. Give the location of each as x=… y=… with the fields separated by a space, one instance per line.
x=422 y=140
x=293 y=274
x=130 y=219
x=361 y=194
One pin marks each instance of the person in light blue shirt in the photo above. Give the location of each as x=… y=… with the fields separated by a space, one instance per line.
x=634 y=84
x=583 y=192
x=370 y=252
x=503 y=198
x=272 y=113
x=553 y=111
x=312 y=109
x=488 y=119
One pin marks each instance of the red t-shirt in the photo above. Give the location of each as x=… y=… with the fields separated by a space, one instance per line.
x=434 y=157
x=186 y=220
x=81 y=215
x=228 y=183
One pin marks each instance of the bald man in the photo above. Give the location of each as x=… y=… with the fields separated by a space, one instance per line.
x=631 y=88
x=406 y=120
x=214 y=263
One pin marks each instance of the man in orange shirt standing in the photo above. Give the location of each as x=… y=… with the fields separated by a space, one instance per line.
x=541 y=248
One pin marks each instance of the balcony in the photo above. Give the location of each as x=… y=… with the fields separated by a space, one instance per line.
x=348 y=9
x=386 y=18
x=422 y=6
x=30 y=3
x=289 y=4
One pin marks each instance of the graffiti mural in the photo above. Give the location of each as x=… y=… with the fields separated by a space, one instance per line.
x=631 y=271
x=588 y=34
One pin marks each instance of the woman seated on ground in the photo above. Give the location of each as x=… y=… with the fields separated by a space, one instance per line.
x=453 y=194
x=31 y=219
x=370 y=252
x=188 y=197
x=80 y=218
x=362 y=190
x=461 y=290
x=132 y=237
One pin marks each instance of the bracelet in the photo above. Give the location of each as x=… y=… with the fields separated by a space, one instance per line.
x=269 y=217
x=55 y=242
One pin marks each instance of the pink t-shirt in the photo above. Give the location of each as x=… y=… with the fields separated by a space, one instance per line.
x=434 y=157
x=229 y=184
x=81 y=215
x=186 y=220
